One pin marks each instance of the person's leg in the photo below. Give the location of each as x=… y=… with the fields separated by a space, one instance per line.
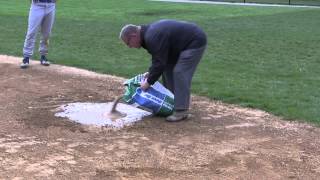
x=35 y=17
x=183 y=73
x=167 y=78
x=46 y=27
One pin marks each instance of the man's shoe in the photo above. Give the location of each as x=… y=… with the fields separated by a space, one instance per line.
x=44 y=61
x=25 y=63
x=178 y=116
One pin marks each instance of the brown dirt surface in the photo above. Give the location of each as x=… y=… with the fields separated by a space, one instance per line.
x=220 y=141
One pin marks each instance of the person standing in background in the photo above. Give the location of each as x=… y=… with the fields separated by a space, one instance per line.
x=41 y=14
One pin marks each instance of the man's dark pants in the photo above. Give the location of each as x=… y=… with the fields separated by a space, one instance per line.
x=178 y=78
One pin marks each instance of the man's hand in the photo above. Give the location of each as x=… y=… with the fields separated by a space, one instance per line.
x=146 y=75
x=145 y=85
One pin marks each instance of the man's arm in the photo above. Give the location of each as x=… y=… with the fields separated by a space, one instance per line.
x=159 y=62
x=159 y=50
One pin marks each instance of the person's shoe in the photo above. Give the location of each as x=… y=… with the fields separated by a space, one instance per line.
x=44 y=61
x=178 y=116
x=25 y=63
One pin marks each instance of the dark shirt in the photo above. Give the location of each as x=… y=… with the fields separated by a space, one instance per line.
x=165 y=40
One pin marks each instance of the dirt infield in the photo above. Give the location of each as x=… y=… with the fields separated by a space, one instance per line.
x=220 y=142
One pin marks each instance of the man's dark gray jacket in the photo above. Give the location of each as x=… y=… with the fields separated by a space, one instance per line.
x=165 y=40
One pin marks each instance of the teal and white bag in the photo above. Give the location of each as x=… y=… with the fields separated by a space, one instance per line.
x=157 y=99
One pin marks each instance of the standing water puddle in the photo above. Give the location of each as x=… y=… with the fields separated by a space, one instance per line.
x=99 y=114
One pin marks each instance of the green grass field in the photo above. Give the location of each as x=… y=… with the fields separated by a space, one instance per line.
x=261 y=57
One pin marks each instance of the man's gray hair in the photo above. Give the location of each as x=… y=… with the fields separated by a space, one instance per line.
x=127 y=30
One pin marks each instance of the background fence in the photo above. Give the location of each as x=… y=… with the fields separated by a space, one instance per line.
x=290 y=2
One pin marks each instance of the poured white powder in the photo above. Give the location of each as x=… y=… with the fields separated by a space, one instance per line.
x=97 y=114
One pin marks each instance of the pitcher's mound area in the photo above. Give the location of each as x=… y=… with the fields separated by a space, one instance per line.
x=219 y=142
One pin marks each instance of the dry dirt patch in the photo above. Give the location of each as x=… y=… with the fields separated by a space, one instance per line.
x=220 y=142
